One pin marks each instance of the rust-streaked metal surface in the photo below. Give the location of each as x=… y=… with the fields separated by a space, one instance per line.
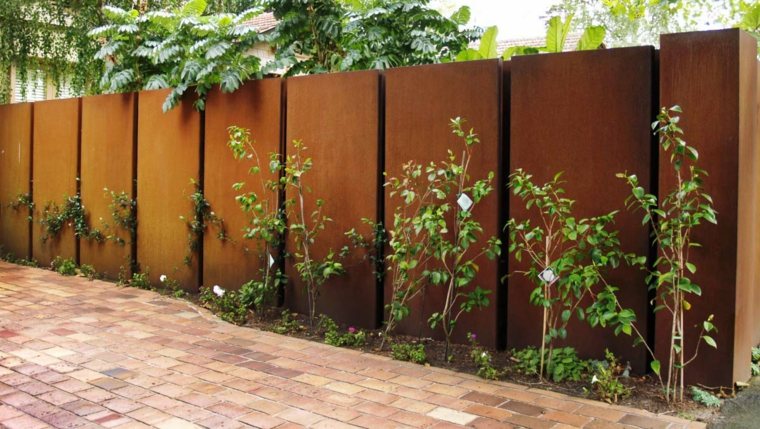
x=107 y=157
x=56 y=152
x=168 y=158
x=587 y=114
x=419 y=104
x=256 y=106
x=336 y=117
x=708 y=74
x=15 y=176
x=756 y=289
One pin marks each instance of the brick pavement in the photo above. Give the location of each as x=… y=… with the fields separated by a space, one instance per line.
x=75 y=353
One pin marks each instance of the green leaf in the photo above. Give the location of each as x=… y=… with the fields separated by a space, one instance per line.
x=469 y=54
x=592 y=38
x=556 y=34
x=691 y=267
x=462 y=15
x=655 y=365
x=488 y=43
x=193 y=8
x=710 y=341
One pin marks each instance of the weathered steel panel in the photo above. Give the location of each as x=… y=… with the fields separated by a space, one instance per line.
x=586 y=114
x=256 y=106
x=168 y=160
x=107 y=157
x=56 y=159
x=756 y=289
x=336 y=117
x=419 y=104
x=710 y=75
x=15 y=177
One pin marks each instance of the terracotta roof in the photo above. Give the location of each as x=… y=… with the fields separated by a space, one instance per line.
x=264 y=22
x=570 y=44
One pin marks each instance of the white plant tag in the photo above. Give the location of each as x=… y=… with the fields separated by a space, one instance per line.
x=464 y=202
x=271 y=261
x=547 y=275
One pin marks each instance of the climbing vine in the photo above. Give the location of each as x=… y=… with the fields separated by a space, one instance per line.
x=201 y=219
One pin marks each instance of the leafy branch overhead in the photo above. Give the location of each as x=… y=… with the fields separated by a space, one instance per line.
x=177 y=48
x=319 y=36
x=556 y=38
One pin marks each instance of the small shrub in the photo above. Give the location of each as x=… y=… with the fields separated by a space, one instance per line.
x=755 y=361
x=225 y=304
x=333 y=337
x=605 y=382
x=171 y=287
x=140 y=280
x=482 y=359
x=65 y=267
x=409 y=352
x=705 y=398
x=87 y=270
x=288 y=324
x=563 y=364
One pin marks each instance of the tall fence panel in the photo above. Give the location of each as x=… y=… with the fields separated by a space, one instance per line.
x=15 y=175
x=336 y=117
x=756 y=289
x=586 y=114
x=107 y=157
x=56 y=165
x=256 y=106
x=709 y=74
x=419 y=104
x=168 y=160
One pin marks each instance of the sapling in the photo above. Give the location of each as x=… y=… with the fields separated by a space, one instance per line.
x=266 y=223
x=672 y=219
x=306 y=228
x=567 y=257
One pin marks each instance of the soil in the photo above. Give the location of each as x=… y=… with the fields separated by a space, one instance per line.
x=645 y=390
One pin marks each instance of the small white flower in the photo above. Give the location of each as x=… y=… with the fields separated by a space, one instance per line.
x=218 y=291
x=162 y=278
x=594 y=379
x=484 y=354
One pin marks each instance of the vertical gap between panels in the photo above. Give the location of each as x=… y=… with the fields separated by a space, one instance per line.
x=133 y=265
x=202 y=190
x=502 y=198
x=281 y=196
x=30 y=222
x=380 y=216
x=77 y=241
x=654 y=186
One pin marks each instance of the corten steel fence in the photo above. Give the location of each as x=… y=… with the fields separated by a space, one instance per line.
x=585 y=113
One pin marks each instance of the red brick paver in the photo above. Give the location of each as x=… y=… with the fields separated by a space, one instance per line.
x=81 y=354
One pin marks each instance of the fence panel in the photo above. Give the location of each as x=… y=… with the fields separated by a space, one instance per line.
x=256 y=106
x=586 y=114
x=15 y=172
x=336 y=117
x=56 y=165
x=108 y=148
x=419 y=104
x=168 y=159
x=709 y=75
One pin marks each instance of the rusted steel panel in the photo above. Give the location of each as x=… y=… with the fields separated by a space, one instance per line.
x=420 y=102
x=710 y=75
x=256 y=106
x=107 y=157
x=15 y=177
x=336 y=117
x=56 y=158
x=168 y=159
x=586 y=114
x=756 y=289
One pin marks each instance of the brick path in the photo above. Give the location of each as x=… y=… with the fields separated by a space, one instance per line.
x=75 y=353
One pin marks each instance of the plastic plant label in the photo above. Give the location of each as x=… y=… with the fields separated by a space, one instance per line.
x=464 y=202
x=271 y=261
x=547 y=275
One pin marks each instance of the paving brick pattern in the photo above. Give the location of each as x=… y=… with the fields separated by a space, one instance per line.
x=75 y=353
